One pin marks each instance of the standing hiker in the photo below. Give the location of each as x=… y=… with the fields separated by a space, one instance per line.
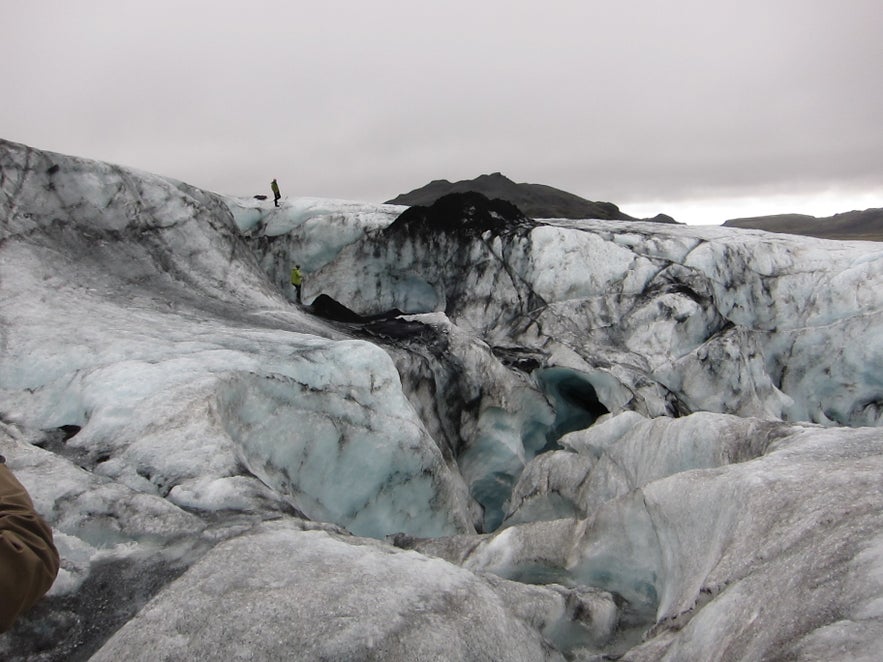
x=297 y=279
x=275 y=188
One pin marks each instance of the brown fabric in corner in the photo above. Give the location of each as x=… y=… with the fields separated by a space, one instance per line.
x=28 y=558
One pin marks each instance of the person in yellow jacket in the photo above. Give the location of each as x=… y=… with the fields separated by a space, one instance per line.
x=297 y=279
x=28 y=558
x=276 y=195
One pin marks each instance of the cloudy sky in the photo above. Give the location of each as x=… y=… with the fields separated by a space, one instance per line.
x=703 y=109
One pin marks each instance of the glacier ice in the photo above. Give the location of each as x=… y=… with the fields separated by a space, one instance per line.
x=740 y=561
x=581 y=439
x=282 y=593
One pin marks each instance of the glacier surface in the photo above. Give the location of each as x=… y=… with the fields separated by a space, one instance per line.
x=537 y=439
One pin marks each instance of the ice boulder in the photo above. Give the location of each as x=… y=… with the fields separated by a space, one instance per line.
x=283 y=594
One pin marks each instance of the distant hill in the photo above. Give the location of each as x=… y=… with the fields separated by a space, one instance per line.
x=864 y=225
x=534 y=200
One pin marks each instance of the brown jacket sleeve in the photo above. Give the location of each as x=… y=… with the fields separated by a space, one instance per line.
x=28 y=558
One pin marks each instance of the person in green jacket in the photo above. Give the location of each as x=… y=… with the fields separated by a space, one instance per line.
x=28 y=558
x=297 y=279
x=276 y=195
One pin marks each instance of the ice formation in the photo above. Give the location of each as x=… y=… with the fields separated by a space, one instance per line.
x=535 y=439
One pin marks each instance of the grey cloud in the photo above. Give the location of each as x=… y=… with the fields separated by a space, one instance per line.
x=612 y=101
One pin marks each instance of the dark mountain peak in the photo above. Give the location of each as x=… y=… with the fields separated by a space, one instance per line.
x=663 y=218
x=469 y=212
x=534 y=200
x=494 y=177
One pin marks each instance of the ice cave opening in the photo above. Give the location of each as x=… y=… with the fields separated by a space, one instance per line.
x=505 y=442
x=574 y=399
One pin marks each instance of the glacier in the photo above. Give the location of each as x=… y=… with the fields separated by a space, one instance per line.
x=531 y=439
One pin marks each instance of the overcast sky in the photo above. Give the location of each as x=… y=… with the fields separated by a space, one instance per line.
x=703 y=109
